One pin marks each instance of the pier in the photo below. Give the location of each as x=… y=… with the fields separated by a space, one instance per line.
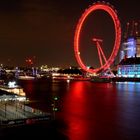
x=14 y=109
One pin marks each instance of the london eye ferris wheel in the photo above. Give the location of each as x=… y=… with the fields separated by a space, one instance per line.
x=104 y=61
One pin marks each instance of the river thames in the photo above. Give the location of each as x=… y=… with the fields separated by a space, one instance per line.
x=86 y=110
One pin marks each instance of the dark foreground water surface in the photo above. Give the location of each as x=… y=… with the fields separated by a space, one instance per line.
x=86 y=111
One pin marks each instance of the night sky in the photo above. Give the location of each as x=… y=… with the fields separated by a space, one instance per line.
x=44 y=30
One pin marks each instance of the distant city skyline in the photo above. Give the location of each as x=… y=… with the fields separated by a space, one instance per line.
x=44 y=30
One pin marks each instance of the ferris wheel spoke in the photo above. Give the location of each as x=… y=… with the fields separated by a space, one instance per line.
x=99 y=49
x=100 y=57
x=104 y=57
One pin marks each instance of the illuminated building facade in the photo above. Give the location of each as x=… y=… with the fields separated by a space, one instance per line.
x=129 y=65
x=138 y=46
x=130 y=48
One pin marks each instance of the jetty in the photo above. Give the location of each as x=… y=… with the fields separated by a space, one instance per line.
x=15 y=109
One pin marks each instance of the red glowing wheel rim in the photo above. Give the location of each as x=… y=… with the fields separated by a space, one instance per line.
x=117 y=26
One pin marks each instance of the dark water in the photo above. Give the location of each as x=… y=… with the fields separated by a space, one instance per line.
x=86 y=110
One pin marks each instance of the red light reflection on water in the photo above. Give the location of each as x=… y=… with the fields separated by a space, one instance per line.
x=89 y=111
x=29 y=87
x=75 y=108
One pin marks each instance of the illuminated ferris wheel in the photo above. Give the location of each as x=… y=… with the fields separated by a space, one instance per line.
x=105 y=62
